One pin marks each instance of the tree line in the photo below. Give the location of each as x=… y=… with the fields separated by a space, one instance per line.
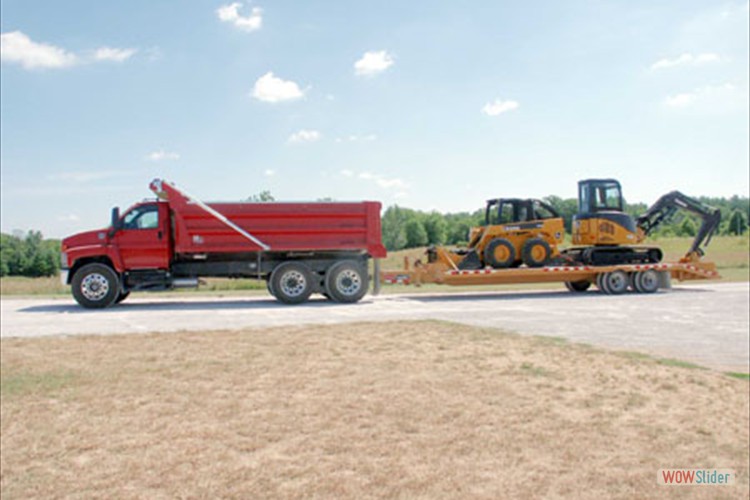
x=32 y=255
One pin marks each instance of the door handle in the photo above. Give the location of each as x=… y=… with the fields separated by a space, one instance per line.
x=159 y=234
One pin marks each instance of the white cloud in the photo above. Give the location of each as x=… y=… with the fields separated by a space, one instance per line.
x=161 y=155
x=230 y=13
x=304 y=136
x=16 y=47
x=499 y=106
x=687 y=59
x=68 y=218
x=679 y=100
x=373 y=62
x=269 y=88
x=112 y=54
x=379 y=180
x=358 y=138
x=726 y=97
x=269 y=172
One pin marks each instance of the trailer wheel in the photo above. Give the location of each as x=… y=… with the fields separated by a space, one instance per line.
x=346 y=282
x=646 y=281
x=601 y=283
x=95 y=286
x=578 y=286
x=499 y=253
x=291 y=283
x=536 y=252
x=614 y=283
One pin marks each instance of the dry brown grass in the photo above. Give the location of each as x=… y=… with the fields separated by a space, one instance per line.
x=418 y=409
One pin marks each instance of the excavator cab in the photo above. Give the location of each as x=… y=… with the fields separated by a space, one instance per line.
x=601 y=219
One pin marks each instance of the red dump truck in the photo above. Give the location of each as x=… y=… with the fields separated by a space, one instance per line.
x=173 y=241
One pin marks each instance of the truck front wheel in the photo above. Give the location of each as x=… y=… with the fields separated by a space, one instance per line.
x=346 y=282
x=291 y=283
x=95 y=286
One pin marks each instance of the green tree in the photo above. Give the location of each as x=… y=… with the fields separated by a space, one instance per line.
x=436 y=227
x=393 y=228
x=416 y=235
x=737 y=223
x=687 y=227
x=262 y=197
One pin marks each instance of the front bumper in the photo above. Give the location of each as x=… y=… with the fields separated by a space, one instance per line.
x=64 y=276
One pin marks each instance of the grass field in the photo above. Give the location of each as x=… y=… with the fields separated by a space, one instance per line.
x=731 y=254
x=406 y=410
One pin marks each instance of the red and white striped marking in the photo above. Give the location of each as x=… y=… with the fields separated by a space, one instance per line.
x=478 y=271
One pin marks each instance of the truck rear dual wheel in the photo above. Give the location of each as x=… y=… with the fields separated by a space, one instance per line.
x=291 y=283
x=95 y=286
x=346 y=282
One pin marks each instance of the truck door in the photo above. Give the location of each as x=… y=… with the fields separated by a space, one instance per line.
x=144 y=238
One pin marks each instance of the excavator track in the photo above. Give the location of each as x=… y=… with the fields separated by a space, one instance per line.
x=613 y=255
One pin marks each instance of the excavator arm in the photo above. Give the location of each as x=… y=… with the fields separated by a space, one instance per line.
x=664 y=209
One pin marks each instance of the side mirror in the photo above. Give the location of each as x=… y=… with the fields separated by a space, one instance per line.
x=115 y=224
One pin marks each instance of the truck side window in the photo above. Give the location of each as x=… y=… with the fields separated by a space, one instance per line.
x=146 y=217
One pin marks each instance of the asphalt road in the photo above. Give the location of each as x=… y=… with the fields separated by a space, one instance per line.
x=707 y=324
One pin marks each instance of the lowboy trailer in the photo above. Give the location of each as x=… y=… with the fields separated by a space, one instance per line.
x=614 y=279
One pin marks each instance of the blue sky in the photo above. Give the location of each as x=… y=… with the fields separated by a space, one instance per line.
x=431 y=105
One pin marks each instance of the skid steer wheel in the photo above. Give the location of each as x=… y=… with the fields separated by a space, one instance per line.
x=536 y=252
x=646 y=281
x=346 y=281
x=291 y=283
x=577 y=286
x=95 y=286
x=499 y=253
x=613 y=283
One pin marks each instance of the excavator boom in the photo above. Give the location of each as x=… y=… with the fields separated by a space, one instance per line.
x=664 y=209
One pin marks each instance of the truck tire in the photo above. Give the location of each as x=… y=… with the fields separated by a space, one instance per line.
x=346 y=282
x=578 y=286
x=536 y=252
x=291 y=283
x=121 y=296
x=95 y=286
x=499 y=253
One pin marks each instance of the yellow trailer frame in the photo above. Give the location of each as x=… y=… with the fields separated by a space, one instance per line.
x=608 y=279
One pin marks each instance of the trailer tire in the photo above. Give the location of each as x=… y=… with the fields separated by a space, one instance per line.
x=536 y=252
x=615 y=282
x=346 y=282
x=499 y=253
x=291 y=282
x=578 y=286
x=95 y=286
x=601 y=284
x=646 y=281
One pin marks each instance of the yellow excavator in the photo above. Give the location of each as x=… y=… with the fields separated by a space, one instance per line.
x=606 y=235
